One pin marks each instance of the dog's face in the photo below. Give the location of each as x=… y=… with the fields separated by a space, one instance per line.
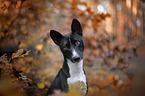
x=71 y=44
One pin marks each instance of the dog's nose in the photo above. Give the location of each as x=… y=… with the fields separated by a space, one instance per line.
x=76 y=59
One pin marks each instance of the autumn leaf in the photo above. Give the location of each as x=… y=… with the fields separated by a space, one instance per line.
x=39 y=47
x=41 y=85
x=20 y=53
x=18 y=4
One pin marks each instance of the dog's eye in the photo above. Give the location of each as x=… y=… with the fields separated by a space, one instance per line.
x=77 y=43
x=65 y=47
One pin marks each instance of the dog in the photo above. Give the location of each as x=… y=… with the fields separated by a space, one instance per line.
x=72 y=48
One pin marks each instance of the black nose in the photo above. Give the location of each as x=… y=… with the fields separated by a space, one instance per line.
x=76 y=59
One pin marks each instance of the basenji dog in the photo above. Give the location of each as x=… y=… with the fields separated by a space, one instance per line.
x=72 y=48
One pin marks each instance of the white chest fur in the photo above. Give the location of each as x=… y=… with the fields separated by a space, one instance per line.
x=76 y=72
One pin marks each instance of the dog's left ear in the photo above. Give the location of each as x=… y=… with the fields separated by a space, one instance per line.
x=76 y=27
x=56 y=36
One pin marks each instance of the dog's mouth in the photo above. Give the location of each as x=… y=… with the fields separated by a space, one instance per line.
x=76 y=59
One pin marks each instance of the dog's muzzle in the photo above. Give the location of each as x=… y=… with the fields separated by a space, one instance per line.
x=76 y=59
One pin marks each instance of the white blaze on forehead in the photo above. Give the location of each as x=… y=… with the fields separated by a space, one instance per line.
x=74 y=53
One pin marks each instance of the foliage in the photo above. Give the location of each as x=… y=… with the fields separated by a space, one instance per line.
x=13 y=11
x=10 y=78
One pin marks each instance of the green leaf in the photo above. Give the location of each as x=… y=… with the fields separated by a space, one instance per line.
x=20 y=53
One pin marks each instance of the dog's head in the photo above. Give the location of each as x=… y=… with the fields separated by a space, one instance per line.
x=71 y=44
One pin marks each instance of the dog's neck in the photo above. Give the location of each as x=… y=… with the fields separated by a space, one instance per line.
x=70 y=68
x=76 y=72
x=75 y=69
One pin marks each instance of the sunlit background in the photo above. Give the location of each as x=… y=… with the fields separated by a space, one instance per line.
x=114 y=38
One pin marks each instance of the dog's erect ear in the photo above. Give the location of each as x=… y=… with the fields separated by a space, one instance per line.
x=56 y=36
x=76 y=27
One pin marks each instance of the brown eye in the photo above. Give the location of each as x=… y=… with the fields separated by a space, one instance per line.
x=77 y=43
x=65 y=47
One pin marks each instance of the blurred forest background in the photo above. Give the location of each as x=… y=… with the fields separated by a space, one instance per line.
x=114 y=37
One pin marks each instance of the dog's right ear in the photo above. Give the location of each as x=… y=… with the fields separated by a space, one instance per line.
x=76 y=27
x=56 y=36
